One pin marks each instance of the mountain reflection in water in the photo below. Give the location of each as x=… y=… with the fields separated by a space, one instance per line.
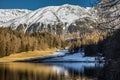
x=51 y=71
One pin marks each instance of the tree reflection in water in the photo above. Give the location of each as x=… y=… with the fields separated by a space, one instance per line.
x=58 y=71
x=111 y=71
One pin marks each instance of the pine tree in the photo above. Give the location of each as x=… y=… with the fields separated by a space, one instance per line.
x=2 y=50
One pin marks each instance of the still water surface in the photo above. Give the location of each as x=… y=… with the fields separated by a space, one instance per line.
x=50 y=71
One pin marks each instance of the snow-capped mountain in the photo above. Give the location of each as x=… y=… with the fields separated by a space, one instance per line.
x=52 y=17
x=8 y=14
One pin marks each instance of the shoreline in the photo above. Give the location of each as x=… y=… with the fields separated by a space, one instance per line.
x=51 y=55
x=27 y=55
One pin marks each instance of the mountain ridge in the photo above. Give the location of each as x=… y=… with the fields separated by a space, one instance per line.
x=8 y=14
x=63 y=16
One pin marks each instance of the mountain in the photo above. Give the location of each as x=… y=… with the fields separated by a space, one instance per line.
x=8 y=14
x=54 y=19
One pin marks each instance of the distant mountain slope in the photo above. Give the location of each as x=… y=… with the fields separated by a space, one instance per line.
x=55 y=19
x=8 y=14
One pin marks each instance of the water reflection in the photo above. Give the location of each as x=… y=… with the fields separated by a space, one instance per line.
x=111 y=71
x=52 y=71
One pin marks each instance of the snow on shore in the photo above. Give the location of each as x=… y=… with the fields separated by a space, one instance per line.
x=60 y=52
x=64 y=55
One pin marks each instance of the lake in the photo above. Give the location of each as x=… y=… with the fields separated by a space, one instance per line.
x=50 y=71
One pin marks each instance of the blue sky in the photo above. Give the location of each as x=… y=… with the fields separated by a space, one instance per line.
x=35 y=4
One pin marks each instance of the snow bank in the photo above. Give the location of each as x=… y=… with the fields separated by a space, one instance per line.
x=71 y=57
x=60 y=52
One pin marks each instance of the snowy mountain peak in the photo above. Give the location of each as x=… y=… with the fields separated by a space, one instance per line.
x=51 y=15
x=8 y=14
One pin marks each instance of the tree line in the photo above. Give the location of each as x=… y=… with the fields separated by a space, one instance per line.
x=89 y=42
x=12 y=41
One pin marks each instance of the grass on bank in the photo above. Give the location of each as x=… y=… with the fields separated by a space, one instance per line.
x=27 y=55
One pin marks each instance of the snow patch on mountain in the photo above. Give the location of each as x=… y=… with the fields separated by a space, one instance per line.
x=8 y=14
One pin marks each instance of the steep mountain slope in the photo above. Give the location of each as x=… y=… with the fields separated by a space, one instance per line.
x=54 y=19
x=8 y=14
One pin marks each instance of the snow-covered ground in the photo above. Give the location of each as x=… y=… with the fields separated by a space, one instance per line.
x=77 y=57
x=60 y=52
x=64 y=55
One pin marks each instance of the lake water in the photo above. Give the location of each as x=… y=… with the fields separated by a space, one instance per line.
x=50 y=71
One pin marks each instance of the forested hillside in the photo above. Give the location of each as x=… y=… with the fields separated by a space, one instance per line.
x=12 y=41
x=110 y=11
